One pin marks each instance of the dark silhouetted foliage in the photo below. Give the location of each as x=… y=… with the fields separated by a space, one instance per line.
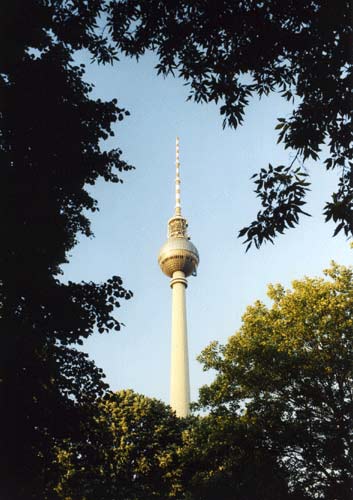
x=228 y=457
x=50 y=148
x=229 y=51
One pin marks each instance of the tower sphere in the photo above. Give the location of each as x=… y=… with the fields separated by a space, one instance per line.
x=178 y=254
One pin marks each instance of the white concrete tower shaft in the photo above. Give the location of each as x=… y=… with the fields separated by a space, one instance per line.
x=178 y=259
x=179 y=369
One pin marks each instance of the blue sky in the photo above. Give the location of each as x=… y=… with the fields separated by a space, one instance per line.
x=217 y=199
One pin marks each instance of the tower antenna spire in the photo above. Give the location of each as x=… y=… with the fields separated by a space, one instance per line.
x=177 y=179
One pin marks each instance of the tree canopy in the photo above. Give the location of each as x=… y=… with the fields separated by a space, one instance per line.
x=131 y=450
x=228 y=52
x=51 y=133
x=225 y=456
x=288 y=374
x=278 y=422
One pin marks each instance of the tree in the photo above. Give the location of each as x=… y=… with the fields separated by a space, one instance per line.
x=228 y=52
x=131 y=450
x=51 y=134
x=225 y=456
x=288 y=373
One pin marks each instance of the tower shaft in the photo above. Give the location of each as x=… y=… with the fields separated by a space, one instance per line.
x=179 y=375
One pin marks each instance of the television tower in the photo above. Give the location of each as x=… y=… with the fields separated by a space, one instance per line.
x=178 y=259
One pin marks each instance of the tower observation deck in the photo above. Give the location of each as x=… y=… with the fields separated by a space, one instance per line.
x=178 y=259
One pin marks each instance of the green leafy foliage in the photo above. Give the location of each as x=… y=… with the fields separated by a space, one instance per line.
x=228 y=52
x=287 y=374
x=130 y=451
x=227 y=457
